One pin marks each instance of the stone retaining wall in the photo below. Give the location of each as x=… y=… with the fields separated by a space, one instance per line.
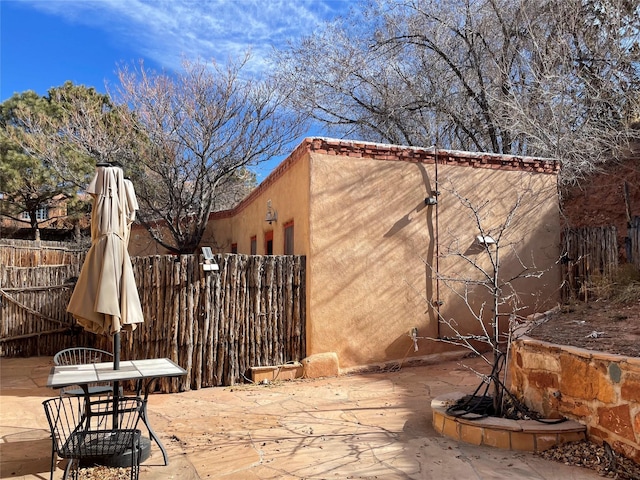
x=597 y=389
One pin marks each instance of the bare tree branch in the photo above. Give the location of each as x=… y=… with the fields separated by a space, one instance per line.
x=557 y=79
x=202 y=129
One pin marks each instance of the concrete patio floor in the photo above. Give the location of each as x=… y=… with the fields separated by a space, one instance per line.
x=365 y=426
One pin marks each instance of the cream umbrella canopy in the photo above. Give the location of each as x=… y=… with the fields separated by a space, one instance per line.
x=105 y=299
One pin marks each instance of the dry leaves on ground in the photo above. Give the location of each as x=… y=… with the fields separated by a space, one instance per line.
x=596 y=457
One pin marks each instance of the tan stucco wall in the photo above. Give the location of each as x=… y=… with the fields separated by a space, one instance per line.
x=369 y=231
x=529 y=244
x=142 y=244
x=289 y=195
x=371 y=242
x=373 y=245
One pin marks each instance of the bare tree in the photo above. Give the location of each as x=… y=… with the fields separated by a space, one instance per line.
x=202 y=128
x=551 y=79
x=578 y=98
x=491 y=277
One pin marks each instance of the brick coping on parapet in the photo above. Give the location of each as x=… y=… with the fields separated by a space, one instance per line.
x=389 y=152
x=383 y=151
x=522 y=435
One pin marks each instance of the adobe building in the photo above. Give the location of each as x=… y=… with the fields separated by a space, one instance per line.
x=395 y=238
x=53 y=222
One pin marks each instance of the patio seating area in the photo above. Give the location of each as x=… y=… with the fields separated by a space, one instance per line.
x=85 y=433
x=375 y=425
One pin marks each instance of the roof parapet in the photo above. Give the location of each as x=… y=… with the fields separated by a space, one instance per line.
x=390 y=152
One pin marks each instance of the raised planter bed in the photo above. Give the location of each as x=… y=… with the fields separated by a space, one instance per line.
x=598 y=389
x=525 y=435
x=271 y=373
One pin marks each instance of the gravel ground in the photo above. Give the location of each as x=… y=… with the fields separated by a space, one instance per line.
x=104 y=473
x=600 y=458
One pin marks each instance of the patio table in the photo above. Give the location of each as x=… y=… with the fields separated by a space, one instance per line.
x=143 y=372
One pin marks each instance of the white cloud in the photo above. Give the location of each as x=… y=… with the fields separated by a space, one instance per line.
x=166 y=31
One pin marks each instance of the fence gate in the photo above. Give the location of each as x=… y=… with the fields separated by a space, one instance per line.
x=633 y=242
x=588 y=252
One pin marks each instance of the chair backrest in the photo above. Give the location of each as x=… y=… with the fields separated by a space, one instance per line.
x=65 y=416
x=72 y=419
x=100 y=413
x=79 y=355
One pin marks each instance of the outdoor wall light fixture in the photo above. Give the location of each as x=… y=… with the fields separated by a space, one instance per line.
x=272 y=215
x=413 y=333
x=485 y=240
x=431 y=200
x=209 y=264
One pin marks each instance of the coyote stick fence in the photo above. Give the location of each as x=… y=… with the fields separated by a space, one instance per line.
x=214 y=324
x=589 y=252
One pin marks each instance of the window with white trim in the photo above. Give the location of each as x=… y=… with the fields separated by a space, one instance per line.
x=42 y=213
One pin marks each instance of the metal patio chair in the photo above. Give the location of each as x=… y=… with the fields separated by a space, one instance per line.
x=80 y=355
x=78 y=433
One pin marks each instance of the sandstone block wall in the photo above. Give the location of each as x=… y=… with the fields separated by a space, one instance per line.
x=597 y=389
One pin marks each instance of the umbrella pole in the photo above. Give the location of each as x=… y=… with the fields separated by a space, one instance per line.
x=116 y=385
x=116 y=351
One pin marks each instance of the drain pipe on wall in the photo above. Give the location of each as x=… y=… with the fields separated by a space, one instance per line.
x=437 y=252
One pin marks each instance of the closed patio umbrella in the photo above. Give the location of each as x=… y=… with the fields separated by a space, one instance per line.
x=105 y=299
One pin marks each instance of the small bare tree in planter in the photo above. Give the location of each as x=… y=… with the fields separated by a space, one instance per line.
x=490 y=290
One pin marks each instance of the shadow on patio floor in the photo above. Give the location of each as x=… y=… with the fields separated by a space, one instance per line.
x=375 y=425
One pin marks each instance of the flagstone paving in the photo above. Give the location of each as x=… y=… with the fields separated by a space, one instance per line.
x=365 y=426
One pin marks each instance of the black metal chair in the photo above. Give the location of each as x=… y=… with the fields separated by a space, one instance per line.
x=79 y=435
x=80 y=355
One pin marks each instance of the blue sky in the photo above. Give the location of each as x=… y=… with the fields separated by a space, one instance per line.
x=47 y=42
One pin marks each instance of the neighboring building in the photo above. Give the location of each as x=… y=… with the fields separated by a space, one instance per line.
x=52 y=210
x=51 y=217
x=361 y=214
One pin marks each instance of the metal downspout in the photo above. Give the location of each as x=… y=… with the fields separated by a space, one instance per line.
x=437 y=253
